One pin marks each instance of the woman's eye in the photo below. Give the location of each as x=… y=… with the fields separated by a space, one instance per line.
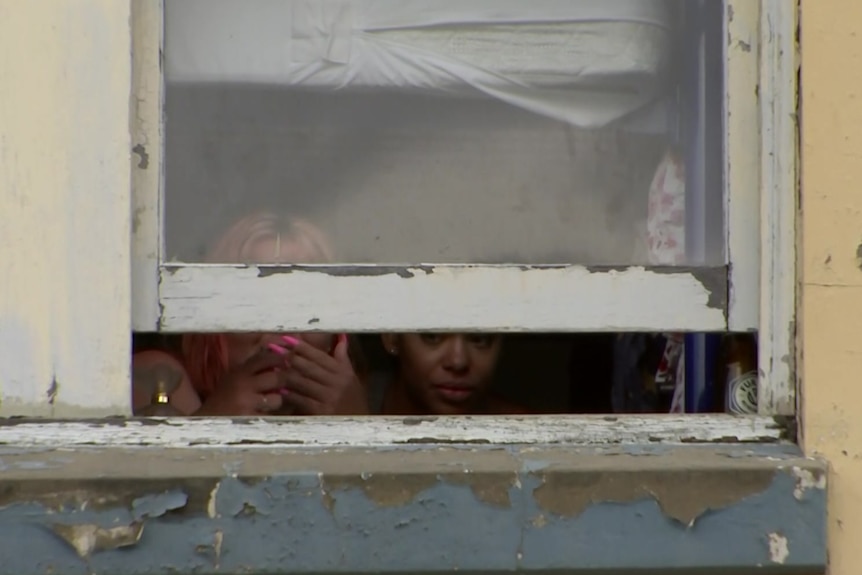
x=482 y=340
x=431 y=338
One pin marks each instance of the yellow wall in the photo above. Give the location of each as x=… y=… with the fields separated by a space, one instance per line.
x=831 y=300
x=65 y=172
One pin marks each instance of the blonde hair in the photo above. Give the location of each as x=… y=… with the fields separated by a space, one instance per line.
x=296 y=241
x=308 y=242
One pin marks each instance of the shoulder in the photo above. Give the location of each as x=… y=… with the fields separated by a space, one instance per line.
x=150 y=366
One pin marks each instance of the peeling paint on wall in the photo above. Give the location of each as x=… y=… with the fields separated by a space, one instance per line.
x=778 y=551
x=87 y=538
x=696 y=493
x=807 y=479
x=424 y=510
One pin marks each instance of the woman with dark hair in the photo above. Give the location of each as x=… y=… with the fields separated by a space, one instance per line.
x=441 y=374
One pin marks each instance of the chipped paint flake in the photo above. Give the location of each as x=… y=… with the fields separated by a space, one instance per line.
x=685 y=498
x=87 y=538
x=150 y=506
x=806 y=480
x=212 y=511
x=778 y=550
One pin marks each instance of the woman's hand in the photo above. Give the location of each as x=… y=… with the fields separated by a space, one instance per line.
x=250 y=389
x=322 y=384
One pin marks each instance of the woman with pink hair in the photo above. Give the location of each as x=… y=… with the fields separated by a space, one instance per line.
x=259 y=373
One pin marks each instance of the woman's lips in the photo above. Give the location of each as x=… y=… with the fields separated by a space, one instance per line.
x=454 y=393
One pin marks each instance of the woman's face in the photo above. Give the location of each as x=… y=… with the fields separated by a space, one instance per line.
x=448 y=374
x=241 y=346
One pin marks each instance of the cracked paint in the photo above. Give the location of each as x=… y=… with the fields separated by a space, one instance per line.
x=684 y=501
x=489 y=488
x=806 y=480
x=477 y=509
x=151 y=506
x=88 y=538
x=383 y=490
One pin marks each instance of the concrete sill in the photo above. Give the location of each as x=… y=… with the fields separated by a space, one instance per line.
x=640 y=508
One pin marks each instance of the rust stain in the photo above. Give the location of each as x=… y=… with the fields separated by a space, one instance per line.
x=683 y=497
x=108 y=496
x=386 y=490
x=490 y=488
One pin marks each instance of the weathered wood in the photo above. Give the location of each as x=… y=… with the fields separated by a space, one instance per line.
x=396 y=431
x=454 y=297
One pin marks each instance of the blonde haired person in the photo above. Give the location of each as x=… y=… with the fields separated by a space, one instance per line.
x=259 y=373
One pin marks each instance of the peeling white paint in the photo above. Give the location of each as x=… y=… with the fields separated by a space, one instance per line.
x=394 y=431
x=778 y=550
x=212 y=512
x=779 y=206
x=806 y=480
x=453 y=297
x=88 y=538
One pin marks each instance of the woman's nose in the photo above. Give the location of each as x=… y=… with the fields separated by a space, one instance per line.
x=456 y=354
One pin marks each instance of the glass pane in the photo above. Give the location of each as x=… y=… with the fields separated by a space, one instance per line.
x=443 y=131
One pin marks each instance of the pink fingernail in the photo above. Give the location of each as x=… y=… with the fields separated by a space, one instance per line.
x=277 y=349
x=290 y=340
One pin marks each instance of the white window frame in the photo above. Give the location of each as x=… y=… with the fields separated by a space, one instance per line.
x=755 y=289
x=761 y=151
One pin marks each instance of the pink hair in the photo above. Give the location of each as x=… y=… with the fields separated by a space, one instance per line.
x=206 y=355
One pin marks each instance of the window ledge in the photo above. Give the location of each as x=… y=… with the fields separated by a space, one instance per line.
x=413 y=508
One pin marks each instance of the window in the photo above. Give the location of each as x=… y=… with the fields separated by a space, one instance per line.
x=526 y=194
x=483 y=495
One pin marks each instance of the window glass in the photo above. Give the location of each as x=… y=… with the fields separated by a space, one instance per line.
x=436 y=131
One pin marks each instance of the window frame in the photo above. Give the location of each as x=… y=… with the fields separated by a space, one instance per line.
x=756 y=287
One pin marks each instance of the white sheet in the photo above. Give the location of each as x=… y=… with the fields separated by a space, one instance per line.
x=585 y=62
